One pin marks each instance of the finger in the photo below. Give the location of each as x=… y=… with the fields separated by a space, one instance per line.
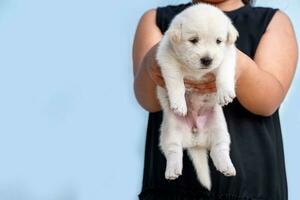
x=158 y=77
x=157 y=74
x=156 y=69
x=203 y=92
x=192 y=82
x=210 y=85
x=203 y=81
x=159 y=81
x=202 y=86
x=210 y=74
x=206 y=91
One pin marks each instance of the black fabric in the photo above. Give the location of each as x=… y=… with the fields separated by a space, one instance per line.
x=256 y=148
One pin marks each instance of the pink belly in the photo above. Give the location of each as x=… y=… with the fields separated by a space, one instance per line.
x=199 y=112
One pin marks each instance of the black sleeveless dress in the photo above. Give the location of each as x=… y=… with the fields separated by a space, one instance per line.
x=256 y=148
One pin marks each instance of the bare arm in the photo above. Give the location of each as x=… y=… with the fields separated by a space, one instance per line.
x=263 y=82
x=144 y=49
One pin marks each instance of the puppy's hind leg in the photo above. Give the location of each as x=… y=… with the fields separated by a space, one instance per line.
x=173 y=151
x=171 y=143
x=174 y=165
x=220 y=145
x=200 y=162
x=221 y=159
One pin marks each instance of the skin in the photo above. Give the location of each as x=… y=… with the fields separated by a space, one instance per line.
x=262 y=82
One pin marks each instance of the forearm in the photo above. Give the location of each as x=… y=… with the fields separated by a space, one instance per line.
x=144 y=86
x=257 y=90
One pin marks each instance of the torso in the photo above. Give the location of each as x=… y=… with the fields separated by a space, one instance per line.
x=256 y=148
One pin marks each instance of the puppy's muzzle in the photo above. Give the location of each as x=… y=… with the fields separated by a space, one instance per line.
x=206 y=61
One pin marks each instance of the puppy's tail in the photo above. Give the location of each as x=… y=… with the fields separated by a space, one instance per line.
x=200 y=161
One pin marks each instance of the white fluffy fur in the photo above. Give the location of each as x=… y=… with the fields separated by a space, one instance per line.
x=179 y=59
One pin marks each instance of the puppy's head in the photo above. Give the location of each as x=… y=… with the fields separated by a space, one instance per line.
x=200 y=36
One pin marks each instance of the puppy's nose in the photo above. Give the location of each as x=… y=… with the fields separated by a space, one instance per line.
x=206 y=61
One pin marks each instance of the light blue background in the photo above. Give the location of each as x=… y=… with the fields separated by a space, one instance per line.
x=70 y=128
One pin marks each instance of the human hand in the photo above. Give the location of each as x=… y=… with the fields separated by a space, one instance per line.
x=207 y=85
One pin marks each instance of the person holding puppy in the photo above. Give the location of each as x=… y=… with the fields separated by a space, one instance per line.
x=266 y=62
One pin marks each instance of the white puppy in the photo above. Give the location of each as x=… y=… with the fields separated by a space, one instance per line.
x=199 y=40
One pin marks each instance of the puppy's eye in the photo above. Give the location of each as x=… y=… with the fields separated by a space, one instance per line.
x=218 y=41
x=194 y=40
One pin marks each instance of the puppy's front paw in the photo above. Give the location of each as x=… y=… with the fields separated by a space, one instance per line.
x=225 y=96
x=179 y=107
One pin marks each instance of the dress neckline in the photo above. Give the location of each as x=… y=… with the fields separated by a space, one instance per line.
x=237 y=10
x=230 y=12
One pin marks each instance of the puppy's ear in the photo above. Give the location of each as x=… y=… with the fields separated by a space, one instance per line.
x=232 y=34
x=175 y=32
